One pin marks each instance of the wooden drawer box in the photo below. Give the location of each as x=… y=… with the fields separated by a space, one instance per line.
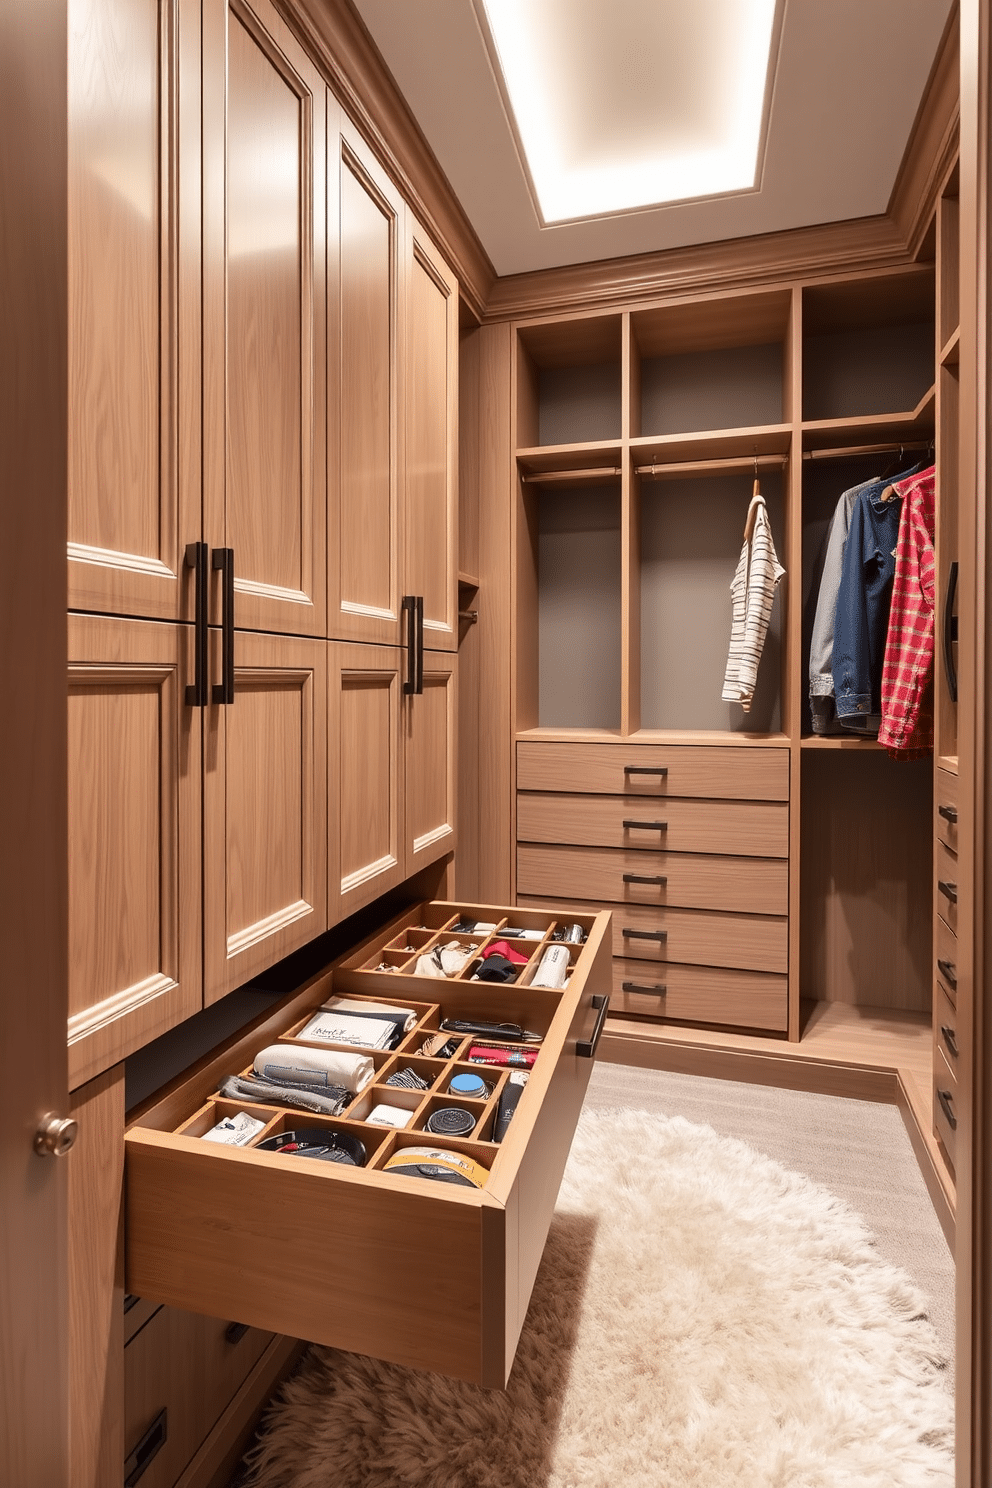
x=946 y=959
x=731 y=773
x=746 y=942
x=945 y=1104
x=426 y=1274
x=689 y=880
x=191 y=1367
x=946 y=874
x=701 y=994
x=758 y=829
x=945 y=805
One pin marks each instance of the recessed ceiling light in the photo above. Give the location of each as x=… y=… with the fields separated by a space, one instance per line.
x=636 y=103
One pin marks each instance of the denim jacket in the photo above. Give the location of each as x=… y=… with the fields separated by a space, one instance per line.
x=863 y=600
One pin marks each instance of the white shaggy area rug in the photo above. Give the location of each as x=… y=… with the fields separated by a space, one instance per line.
x=702 y=1319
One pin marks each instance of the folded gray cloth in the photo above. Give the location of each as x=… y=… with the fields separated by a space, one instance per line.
x=328 y=1100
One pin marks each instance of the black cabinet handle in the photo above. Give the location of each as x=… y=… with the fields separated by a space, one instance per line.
x=196 y=691
x=586 y=1048
x=951 y=632
x=413 y=609
x=630 y=934
x=234 y=1332
x=945 y=1097
x=656 y=991
x=949 y=1039
x=148 y=1447
x=949 y=890
x=420 y=643
x=949 y=972
x=949 y=813
x=645 y=769
x=646 y=826
x=223 y=560
x=658 y=878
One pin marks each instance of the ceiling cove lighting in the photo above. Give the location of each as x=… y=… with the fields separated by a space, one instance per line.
x=635 y=103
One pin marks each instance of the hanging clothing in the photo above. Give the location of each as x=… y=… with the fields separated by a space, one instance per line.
x=907 y=698
x=753 y=592
x=862 y=619
x=821 y=651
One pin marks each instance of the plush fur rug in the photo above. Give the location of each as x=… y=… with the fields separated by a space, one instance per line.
x=702 y=1319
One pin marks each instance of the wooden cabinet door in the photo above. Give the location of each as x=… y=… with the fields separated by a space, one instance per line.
x=429 y=729
x=364 y=550
x=264 y=175
x=430 y=368
x=134 y=293
x=134 y=838
x=264 y=809
x=365 y=854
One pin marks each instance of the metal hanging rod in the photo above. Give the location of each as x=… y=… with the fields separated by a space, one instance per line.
x=704 y=467
x=471 y=616
x=853 y=450
x=545 y=477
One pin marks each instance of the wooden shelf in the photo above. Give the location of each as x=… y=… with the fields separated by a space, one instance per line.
x=837 y=741
x=712 y=444
x=715 y=737
x=872 y=428
x=467 y=581
x=554 y=457
x=948 y=762
x=951 y=348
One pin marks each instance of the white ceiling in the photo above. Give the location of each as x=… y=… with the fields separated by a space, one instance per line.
x=850 y=77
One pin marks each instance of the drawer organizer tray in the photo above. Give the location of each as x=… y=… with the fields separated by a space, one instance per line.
x=423 y=1273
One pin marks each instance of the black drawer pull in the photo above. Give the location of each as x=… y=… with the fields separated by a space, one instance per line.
x=644 y=934
x=148 y=1447
x=234 y=1332
x=658 y=878
x=949 y=1039
x=949 y=890
x=223 y=691
x=949 y=813
x=658 y=991
x=946 y=1101
x=645 y=769
x=586 y=1048
x=951 y=633
x=196 y=691
x=646 y=826
x=949 y=972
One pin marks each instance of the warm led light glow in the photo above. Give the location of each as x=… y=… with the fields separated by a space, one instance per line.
x=635 y=103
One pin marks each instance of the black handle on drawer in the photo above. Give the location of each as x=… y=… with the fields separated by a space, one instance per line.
x=947 y=1034
x=949 y=813
x=949 y=890
x=951 y=632
x=645 y=769
x=419 y=611
x=586 y=1048
x=646 y=826
x=154 y=1439
x=196 y=691
x=630 y=934
x=409 y=608
x=234 y=1332
x=657 y=878
x=657 y=991
x=949 y=972
x=223 y=559
x=946 y=1100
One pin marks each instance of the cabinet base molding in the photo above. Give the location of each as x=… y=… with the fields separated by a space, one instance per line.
x=223 y=1449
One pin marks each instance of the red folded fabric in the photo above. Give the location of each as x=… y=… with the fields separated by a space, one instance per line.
x=503 y=948
x=520 y=1058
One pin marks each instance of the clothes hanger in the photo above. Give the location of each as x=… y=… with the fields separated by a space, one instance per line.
x=890 y=491
x=752 y=511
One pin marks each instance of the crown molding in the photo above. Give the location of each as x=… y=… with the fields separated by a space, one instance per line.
x=933 y=144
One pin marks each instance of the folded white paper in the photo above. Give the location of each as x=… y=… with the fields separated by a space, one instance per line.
x=358 y=1005
x=332 y=1027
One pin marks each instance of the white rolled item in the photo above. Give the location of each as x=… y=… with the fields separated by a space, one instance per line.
x=353 y=1071
x=553 y=968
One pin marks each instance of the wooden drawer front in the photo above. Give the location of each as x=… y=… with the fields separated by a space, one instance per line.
x=191 y=1366
x=946 y=959
x=692 y=881
x=430 y=1275
x=945 y=1027
x=946 y=1110
x=945 y=805
x=756 y=829
x=701 y=994
x=946 y=877
x=734 y=774
x=747 y=942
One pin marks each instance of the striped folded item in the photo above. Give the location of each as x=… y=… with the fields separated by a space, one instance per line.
x=324 y=1100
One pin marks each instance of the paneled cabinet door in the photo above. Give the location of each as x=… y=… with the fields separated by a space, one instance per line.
x=133 y=303
x=134 y=838
x=364 y=531
x=264 y=808
x=264 y=174
x=366 y=849
x=431 y=770
x=430 y=370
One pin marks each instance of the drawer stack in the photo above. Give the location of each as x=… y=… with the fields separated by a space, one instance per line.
x=945 y=986
x=689 y=846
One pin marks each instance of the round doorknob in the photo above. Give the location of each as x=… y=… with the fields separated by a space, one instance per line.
x=55 y=1136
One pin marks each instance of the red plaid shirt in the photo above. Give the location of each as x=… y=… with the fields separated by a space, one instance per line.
x=907 y=697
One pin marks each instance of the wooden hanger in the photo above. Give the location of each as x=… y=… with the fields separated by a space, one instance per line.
x=752 y=511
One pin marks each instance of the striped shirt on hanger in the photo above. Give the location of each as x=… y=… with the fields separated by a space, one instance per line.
x=753 y=593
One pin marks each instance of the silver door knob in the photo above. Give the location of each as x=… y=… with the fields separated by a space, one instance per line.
x=56 y=1135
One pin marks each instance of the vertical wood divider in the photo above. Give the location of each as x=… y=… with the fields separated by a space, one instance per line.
x=794 y=661
x=630 y=541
